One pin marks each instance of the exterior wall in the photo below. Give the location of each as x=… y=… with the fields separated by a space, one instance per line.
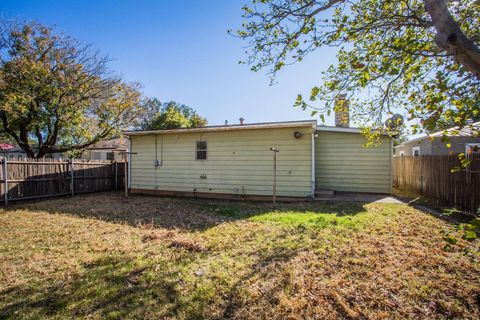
x=436 y=146
x=101 y=155
x=424 y=144
x=343 y=164
x=457 y=145
x=96 y=155
x=238 y=162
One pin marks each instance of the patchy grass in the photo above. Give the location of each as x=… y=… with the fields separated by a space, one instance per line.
x=104 y=257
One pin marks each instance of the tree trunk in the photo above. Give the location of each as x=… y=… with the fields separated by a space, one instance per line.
x=451 y=38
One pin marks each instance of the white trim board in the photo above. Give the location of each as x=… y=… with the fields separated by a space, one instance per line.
x=338 y=129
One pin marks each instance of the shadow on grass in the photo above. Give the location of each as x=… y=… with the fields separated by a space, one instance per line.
x=273 y=263
x=121 y=287
x=109 y=287
x=179 y=213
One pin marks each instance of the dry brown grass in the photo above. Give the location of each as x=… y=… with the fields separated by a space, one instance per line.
x=101 y=256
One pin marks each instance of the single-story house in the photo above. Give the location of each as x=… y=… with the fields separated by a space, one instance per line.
x=11 y=151
x=236 y=161
x=111 y=149
x=459 y=141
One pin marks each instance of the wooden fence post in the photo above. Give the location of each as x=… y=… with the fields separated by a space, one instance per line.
x=5 y=179
x=71 y=176
x=116 y=174
x=126 y=178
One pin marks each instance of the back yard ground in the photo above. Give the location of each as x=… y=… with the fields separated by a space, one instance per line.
x=102 y=256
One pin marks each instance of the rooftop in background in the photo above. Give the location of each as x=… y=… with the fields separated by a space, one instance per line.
x=467 y=131
x=6 y=146
x=115 y=143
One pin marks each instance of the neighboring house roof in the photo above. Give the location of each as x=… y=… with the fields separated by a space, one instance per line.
x=467 y=131
x=10 y=148
x=230 y=127
x=115 y=144
x=6 y=146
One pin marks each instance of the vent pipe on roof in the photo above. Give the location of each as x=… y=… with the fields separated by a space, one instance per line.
x=242 y=120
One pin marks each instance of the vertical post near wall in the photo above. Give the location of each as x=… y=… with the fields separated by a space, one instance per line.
x=116 y=174
x=274 y=191
x=125 y=165
x=5 y=178
x=71 y=176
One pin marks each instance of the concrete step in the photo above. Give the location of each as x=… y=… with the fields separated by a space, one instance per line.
x=324 y=193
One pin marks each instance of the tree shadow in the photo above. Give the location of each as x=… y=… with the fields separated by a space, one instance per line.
x=107 y=287
x=278 y=259
x=120 y=287
x=177 y=213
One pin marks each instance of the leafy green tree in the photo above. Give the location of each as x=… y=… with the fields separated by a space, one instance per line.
x=449 y=124
x=169 y=115
x=5 y=138
x=417 y=56
x=56 y=94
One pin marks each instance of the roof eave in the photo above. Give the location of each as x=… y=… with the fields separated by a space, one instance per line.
x=299 y=124
x=338 y=129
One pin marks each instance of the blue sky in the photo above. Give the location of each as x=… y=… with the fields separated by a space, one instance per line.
x=180 y=50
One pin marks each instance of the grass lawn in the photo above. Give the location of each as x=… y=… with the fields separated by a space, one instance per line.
x=102 y=256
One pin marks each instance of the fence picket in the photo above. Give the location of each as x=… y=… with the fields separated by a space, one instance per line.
x=431 y=177
x=42 y=178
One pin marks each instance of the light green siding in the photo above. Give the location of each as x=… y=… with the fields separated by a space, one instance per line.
x=343 y=164
x=238 y=162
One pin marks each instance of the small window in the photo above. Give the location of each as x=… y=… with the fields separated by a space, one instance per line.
x=416 y=151
x=402 y=153
x=110 y=156
x=201 y=152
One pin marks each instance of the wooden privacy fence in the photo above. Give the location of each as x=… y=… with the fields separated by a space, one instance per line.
x=23 y=179
x=431 y=177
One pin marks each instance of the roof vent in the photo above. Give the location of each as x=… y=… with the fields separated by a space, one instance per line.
x=242 y=120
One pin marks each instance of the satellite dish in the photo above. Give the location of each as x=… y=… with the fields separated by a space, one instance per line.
x=394 y=122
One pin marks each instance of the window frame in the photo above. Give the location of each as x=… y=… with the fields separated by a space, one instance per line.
x=471 y=144
x=417 y=148
x=201 y=150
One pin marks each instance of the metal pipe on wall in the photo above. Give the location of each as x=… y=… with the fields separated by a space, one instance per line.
x=313 y=164
x=274 y=187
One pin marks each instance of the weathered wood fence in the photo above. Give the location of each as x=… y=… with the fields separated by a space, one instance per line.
x=23 y=179
x=431 y=177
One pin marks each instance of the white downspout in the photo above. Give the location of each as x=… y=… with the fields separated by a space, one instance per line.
x=313 y=164
x=391 y=165
x=129 y=159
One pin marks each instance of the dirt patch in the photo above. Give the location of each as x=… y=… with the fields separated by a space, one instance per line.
x=139 y=211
